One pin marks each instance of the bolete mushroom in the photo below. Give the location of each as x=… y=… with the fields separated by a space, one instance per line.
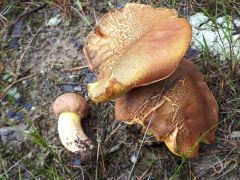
x=181 y=109
x=135 y=46
x=71 y=108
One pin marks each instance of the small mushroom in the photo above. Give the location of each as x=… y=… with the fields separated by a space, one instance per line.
x=181 y=110
x=71 y=108
x=135 y=46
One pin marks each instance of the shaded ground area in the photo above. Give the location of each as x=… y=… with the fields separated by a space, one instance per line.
x=39 y=58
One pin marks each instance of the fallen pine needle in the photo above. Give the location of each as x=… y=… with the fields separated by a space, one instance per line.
x=75 y=68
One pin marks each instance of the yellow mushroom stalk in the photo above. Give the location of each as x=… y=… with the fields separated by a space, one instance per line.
x=71 y=133
x=71 y=108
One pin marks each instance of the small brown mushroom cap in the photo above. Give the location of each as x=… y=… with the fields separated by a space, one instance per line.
x=71 y=102
x=181 y=109
x=135 y=46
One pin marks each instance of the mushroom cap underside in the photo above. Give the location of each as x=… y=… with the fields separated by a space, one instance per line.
x=71 y=102
x=135 y=46
x=181 y=108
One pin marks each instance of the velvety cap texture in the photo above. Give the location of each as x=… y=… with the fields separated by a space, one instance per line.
x=71 y=102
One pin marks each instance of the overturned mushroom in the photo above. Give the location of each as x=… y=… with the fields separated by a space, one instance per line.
x=135 y=46
x=181 y=110
x=71 y=108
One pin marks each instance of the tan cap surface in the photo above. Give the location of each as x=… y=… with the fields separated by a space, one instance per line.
x=135 y=46
x=182 y=108
x=70 y=102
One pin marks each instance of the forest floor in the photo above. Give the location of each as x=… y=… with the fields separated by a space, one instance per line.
x=41 y=57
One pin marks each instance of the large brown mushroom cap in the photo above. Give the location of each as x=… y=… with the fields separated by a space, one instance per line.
x=135 y=46
x=71 y=102
x=181 y=107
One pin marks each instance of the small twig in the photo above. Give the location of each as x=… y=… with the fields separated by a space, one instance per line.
x=3 y=93
x=111 y=103
x=83 y=17
x=78 y=167
x=229 y=170
x=94 y=15
x=145 y=133
x=143 y=176
x=12 y=23
x=75 y=68
x=25 y=13
x=83 y=177
x=25 y=169
x=103 y=164
x=17 y=163
x=113 y=132
x=33 y=10
x=4 y=20
x=24 y=52
x=98 y=150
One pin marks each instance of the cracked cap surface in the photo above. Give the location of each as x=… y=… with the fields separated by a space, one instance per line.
x=135 y=46
x=181 y=109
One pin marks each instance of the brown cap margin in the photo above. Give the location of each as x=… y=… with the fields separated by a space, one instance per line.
x=71 y=102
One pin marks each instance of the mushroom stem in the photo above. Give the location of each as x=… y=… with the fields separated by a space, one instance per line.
x=71 y=133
